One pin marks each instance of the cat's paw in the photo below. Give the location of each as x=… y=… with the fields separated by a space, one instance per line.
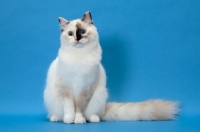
x=54 y=118
x=68 y=118
x=94 y=118
x=79 y=119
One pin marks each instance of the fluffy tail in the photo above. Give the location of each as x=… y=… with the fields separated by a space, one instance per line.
x=148 y=110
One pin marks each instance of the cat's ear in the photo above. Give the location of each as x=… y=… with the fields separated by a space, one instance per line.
x=87 y=18
x=63 y=22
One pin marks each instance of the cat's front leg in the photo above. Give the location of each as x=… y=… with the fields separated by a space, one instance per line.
x=81 y=103
x=68 y=105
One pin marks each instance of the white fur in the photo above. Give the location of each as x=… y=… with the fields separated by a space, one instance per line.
x=78 y=67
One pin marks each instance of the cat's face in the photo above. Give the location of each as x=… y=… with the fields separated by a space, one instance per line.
x=78 y=33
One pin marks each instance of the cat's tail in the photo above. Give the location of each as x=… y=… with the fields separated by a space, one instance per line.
x=148 y=110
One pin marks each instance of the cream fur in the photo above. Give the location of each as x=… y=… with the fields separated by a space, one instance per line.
x=76 y=84
x=148 y=110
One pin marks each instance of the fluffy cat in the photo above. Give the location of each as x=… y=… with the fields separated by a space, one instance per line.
x=76 y=82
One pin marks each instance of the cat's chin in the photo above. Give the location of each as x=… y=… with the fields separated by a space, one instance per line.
x=79 y=45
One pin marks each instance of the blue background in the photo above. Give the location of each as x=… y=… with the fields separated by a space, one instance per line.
x=151 y=49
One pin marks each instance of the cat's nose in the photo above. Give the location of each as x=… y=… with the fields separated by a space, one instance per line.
x=76 y=40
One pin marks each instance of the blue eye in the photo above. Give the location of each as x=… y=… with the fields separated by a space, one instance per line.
x=70 y=33
x=83 y=31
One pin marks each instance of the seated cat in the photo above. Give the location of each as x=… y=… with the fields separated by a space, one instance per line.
x=76 y=82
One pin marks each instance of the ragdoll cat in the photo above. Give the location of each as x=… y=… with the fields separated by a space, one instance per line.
x=76 y=82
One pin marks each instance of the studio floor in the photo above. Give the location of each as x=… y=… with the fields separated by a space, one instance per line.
x=38 y=123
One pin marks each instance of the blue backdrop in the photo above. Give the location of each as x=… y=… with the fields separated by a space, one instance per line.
x=151 y=49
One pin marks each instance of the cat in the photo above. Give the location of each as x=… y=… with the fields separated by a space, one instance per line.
x=76 y=82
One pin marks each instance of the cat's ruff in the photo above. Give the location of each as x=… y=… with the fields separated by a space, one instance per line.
x=76 y=82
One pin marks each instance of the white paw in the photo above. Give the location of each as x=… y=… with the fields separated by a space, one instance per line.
x=94 y=118
x=79 y=119
x=68 y=118
x=54 y=118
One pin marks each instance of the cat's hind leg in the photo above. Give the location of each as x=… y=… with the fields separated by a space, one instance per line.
x=96 y=105
x=54 y=118
x=53 y=105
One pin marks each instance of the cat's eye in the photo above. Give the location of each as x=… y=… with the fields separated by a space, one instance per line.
x=70 y=33
x=83 y=31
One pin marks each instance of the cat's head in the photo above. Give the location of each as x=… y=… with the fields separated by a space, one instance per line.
x=78 y=33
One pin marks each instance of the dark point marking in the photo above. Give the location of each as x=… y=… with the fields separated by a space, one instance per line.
x=90 y=15
x=79 y=31
x=87 y=18
x=78 y=34
x=61 y=24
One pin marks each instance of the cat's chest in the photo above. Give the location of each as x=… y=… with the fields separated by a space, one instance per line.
x=78 y=74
